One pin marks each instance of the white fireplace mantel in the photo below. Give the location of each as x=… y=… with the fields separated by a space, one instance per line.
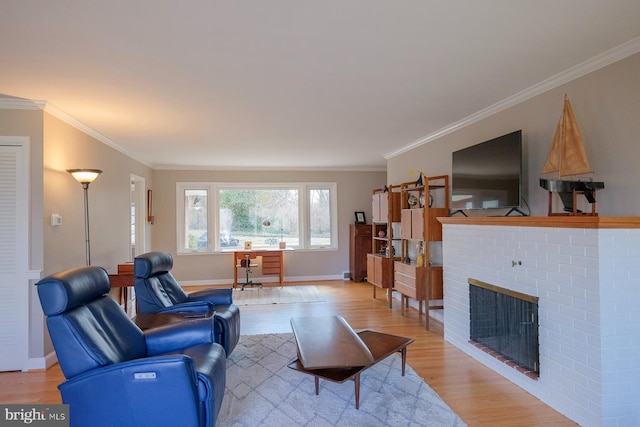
x=586 y=273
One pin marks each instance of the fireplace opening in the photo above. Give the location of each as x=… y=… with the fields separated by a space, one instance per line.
x=505 y=323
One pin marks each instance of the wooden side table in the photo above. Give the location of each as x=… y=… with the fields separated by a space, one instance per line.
x=123 y=280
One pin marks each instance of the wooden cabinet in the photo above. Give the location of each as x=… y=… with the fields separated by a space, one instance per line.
x=385 y=205
x=434 y=285
x=418 y=274
x=359 y=247
x=385 y=238
x=380 y=273
x=416 y=282
x=409 y=279
x=379 y=207
x=412 y=224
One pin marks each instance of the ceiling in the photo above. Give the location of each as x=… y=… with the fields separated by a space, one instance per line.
x=291 y=83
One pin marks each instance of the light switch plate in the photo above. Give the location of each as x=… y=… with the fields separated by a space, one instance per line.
x=56 y=219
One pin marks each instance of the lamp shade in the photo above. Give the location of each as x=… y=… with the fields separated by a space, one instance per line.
x=84 y=176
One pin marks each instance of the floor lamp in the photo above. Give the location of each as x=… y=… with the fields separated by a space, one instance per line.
x=86 y=177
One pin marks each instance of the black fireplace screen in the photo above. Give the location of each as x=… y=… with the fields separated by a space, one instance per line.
x=506 y=322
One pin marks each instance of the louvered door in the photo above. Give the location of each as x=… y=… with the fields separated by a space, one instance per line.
x=14 y=284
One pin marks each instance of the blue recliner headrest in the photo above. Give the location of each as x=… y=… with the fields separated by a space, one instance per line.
x=68 y=289
x=152 y=264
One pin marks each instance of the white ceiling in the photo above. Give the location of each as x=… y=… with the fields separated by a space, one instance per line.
x=291 y=83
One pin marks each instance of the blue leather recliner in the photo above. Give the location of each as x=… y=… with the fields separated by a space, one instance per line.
x=117 y=375
x=157 y=291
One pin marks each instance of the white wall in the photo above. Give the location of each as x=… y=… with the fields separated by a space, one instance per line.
x=607 y=107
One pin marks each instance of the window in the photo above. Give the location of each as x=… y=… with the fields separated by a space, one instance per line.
x=320 y=217
x=219 y=216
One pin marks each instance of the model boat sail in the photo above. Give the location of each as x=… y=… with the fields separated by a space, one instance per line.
x=568 y=158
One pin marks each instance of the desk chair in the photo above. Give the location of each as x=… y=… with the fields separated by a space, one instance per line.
x=247 y=261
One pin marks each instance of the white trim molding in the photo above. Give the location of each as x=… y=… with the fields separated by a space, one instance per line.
x=597 y=62
x=11 y=103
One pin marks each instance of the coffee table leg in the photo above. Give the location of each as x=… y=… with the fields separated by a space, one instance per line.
x=404 y=358
x=317 y=381
x=357 y=380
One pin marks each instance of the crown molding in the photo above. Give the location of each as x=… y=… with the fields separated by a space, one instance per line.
x=608 y=57
x=272 y=168
x=56 y=112
x=11 y=103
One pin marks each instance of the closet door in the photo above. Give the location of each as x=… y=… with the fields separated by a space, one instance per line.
x=14 y=237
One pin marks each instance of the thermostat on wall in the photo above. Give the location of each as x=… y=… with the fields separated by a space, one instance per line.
x=56 y=219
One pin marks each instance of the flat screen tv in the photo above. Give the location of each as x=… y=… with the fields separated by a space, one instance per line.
x=488 y=175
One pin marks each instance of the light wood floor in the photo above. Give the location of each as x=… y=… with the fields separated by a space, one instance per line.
x=480 y=396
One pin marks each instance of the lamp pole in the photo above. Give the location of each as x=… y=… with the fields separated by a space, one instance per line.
x=86 y=177
x=85 y=186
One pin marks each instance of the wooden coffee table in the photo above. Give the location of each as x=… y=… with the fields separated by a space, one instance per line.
x=328 y=348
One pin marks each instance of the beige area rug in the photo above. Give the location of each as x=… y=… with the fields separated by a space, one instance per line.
x=262 y=391
x=276 y=295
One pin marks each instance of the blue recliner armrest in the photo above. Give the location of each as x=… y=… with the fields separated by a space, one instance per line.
x=189 y=307
x=139 y=392
x=216 y=296
x=180 y=335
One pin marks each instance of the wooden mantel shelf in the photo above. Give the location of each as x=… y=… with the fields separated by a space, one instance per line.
x=548 y=221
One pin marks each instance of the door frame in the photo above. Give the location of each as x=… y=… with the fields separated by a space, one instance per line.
x=139 y=200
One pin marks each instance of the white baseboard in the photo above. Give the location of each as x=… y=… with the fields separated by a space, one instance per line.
x=40 y=363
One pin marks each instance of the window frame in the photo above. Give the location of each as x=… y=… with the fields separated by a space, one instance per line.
x=213 y=209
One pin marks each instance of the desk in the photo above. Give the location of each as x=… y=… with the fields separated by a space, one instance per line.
x=123 y=280
x=272 y=262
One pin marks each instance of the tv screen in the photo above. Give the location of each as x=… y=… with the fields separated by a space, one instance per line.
x=488 y=175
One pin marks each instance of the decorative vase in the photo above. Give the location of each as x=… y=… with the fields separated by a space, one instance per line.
x=420 y=257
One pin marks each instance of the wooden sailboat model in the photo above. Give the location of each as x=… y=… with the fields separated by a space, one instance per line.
x=568 y=158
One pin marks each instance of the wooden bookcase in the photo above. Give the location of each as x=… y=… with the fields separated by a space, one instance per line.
x=421 y=204
x=385 y=244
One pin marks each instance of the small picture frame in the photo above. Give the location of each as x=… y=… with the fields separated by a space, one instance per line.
x=360 y=218
x=247 y=245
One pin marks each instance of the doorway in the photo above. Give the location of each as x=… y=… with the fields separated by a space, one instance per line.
x=138 y=217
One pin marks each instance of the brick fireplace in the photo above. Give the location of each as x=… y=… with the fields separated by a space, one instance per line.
x=585 y=273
